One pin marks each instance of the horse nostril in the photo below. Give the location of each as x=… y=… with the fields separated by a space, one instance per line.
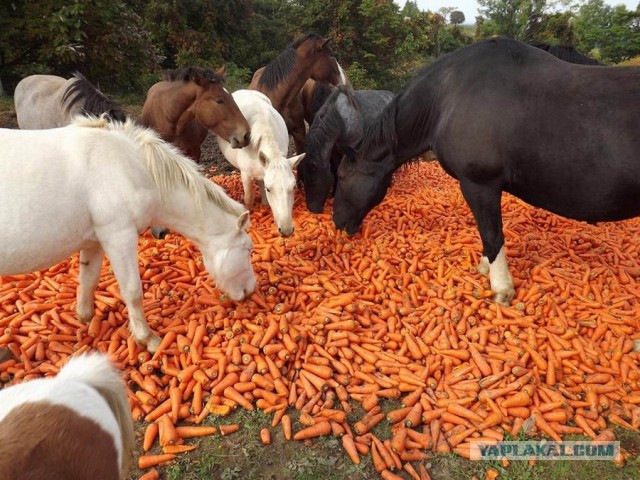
x=247 y=137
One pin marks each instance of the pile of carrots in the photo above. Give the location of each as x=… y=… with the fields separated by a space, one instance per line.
x=395 y=312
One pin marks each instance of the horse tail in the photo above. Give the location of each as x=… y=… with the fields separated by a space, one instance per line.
x=97 y=372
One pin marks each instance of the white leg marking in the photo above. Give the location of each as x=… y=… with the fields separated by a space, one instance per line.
x=501 y=281
x=483 y=266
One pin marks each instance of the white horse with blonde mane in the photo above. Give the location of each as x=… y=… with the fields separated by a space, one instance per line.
x=75 y=425
x=94 y=186
x=265 y=158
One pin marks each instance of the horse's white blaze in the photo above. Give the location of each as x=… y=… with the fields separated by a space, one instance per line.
x=94 y=190
x=501 y=281
x=265 y=159
x=343 y=76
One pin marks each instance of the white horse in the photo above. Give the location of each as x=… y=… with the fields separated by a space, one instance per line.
x=75 y=425
x=94 y=186
x=265 y=158
x=49 y=101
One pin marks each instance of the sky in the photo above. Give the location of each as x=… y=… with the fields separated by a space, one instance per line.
x=470 y=7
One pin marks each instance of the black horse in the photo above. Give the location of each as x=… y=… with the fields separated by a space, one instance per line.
x=566 y=53
x=337 y=126
x=502 y=116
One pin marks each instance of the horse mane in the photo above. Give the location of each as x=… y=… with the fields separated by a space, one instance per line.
x=94 y=102
x=278 y=68
x=166 y=164
x=566 y=53
x=186 y=74
x=259 y=138
x=382 y=130
x=327 y=119
x=321 y=93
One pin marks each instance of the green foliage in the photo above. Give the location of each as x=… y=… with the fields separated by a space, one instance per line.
x=122 y=45
x=609 y=33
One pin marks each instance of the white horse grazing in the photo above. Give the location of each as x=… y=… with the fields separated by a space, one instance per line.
x=265 y=158
x=75 y=425
x=94 y=186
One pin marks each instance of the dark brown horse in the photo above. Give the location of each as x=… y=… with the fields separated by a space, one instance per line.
x=190 y=102
x=283 y=78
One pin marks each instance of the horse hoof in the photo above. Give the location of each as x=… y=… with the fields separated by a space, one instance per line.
x=483 y=266
x=153 y=343
x=504 y=298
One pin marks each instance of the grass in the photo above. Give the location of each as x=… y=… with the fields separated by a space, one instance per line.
x=242 y=456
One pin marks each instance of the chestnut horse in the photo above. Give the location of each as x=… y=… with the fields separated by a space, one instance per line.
x=187 y=104
x=283 y=78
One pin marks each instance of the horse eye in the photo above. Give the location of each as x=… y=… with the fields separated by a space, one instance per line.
x=219 y=101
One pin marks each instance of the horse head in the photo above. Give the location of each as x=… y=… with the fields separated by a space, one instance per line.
x=323 y=65
x=228 y=260
x=215 y=108
x=279 y=183
x=363 y=181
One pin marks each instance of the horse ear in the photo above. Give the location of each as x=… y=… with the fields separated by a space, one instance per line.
x=222 y=72
x=325 y=44
x=244 y=221
x=263 y=159
x=294 y=161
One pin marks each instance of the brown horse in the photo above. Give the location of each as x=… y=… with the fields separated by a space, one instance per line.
x=188 y=103
x=283 y=78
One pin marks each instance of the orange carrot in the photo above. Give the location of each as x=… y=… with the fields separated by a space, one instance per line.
x=317 y=430
x=147 y=461
x=150 y=434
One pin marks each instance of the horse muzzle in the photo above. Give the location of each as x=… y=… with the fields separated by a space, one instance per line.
x=238 y=141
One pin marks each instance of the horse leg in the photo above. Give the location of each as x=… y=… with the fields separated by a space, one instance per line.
x=247 y=186
x=263 y=193
x=484 y=202
x=90 y=265
x=122 y=250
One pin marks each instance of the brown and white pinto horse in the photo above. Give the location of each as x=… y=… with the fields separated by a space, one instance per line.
x=75 y=425
x=190 y=102
x=283 y=78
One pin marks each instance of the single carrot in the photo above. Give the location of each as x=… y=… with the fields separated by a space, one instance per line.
x=228 y=429
x=150 y=434
x=148 y=461
x=317 y=430
x=265 y=436
x=190 y=431
x=350 y=447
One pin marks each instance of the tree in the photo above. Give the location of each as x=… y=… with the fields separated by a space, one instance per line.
x=512 y=18
x=102 y=38
x=457 y=17
x=609 y=33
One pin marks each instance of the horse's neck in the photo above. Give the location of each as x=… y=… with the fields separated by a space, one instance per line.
x=291 y=84
x=181 y=95
x=179 y=212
